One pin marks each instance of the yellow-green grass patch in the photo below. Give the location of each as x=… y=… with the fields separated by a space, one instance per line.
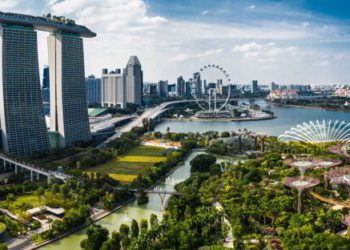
x=137 y=158
x=124 y=178
x=136 y=162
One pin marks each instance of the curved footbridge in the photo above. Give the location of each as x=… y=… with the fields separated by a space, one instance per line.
x=17 y=166
x=161 y=193
x=330 y=201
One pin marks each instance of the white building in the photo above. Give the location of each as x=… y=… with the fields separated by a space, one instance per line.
x=113 y=89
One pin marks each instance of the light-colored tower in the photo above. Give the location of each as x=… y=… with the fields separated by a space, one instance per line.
x=134 y=80
x=113 y=91
x=23 y=126
x=68 y=108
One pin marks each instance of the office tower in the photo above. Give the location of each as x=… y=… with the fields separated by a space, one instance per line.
x=188 y=89
x=163 y=88
x=205 y=87
x=68 y=112
x=172 y=88
x=153 y=90
x=273 y=86
x=134 y=80
x=93 y=90
x=113 y=90
x=180 y=86
x=255 y=87
x=197 y=84
x=46 y=77
x=23 y=127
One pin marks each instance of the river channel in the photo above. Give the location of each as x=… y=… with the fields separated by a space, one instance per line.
x=132 y=210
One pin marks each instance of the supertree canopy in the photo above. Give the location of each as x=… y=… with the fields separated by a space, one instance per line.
x=339 y=176
x=300 y=184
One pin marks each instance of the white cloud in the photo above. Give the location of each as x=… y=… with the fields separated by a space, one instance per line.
x=184 y=57
x=266 y=48
x=266 y=52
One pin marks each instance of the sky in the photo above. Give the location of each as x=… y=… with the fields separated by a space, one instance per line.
x=288 y=42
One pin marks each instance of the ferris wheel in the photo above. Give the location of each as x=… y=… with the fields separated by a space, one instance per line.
x=214 y=90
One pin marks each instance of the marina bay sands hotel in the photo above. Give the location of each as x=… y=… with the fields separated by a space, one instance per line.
x=22 y=121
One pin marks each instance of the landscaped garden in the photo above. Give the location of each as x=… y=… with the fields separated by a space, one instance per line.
x=136 y=162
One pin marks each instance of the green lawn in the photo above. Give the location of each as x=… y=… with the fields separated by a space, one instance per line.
x=136 y=162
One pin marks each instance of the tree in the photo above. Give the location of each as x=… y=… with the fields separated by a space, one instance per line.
x=144 y=225
x=3 y=247
x=153 y=220
x=124 y=230
x=202 y=162
x=39 y=193
x=134 y=229
x=64 y=190
x=113 y=243
x=97 y=235
x=225 y=134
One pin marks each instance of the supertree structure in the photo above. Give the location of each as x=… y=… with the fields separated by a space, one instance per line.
x=346 y=221
x=340 y=176
x=300 y=184
x=302 y=164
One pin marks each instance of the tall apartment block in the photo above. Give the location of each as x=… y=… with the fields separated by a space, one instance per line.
x=163 y=89
x=68 y=108
x=180 y=86
x=134 y=80
x=197 y=84
x=23 y=126
x=93 y=90
x=113 y=90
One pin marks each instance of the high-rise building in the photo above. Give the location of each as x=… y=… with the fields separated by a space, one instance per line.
x=113 y=90
x=188 y=89
x=23 y=127
x=134 y=80
x=93 y=90
x=46 y=77
x=273 y=86
x=180 y=86
x=197 y=84
x=163 y=88
x=255 y=87
x=205 y=87
x=68 y=112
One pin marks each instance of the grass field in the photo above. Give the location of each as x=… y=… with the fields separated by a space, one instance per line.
x=136 y=162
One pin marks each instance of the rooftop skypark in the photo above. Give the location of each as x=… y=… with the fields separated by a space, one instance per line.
x=46 y=23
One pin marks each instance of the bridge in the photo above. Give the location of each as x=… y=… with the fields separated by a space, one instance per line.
x=8 y=163
x=161 y=193
x=151 y=113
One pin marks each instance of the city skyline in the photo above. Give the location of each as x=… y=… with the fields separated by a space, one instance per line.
x=280 y=41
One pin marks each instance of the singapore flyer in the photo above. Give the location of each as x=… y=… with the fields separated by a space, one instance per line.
x=211 y=88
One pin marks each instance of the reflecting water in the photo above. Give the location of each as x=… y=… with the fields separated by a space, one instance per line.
x=287 y=117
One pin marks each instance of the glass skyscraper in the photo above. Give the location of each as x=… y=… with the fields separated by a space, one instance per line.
x=23 y=126
x=68 y=108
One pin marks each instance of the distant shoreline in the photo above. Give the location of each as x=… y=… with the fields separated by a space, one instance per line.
x=222 y=119
x=310 y=107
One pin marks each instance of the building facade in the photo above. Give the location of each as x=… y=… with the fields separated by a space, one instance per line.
x=163 y=89
x=68 y=108
x=197 y=84
x=255 y=87
x=180 y=87
x=93 y=90
x=23 y=126
x=134 y=80
x=113 y=90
